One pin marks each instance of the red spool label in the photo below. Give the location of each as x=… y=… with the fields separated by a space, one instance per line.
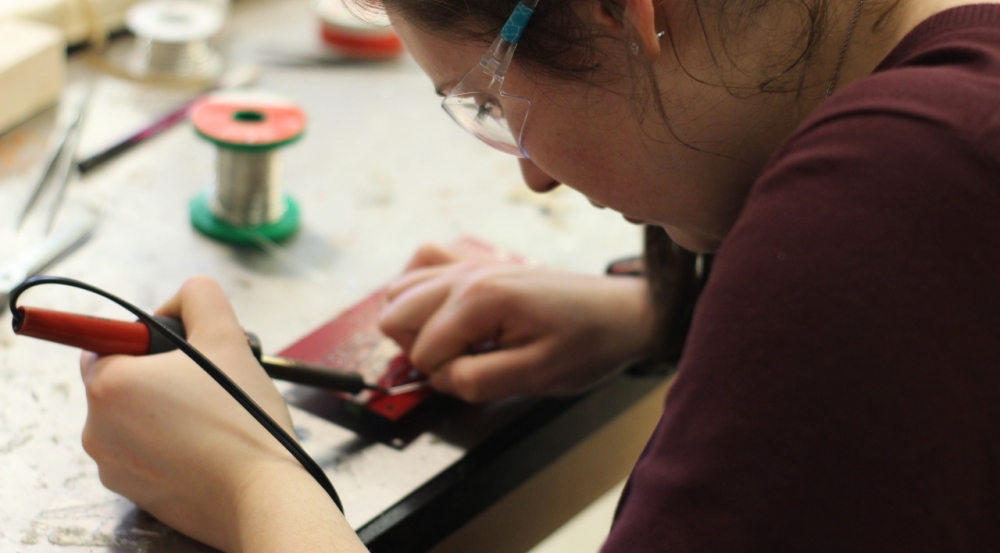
x=248 y=121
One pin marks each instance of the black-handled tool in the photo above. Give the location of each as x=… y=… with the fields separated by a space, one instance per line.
x=108 y=337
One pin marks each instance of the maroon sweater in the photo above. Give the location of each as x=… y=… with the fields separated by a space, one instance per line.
x=840 y=387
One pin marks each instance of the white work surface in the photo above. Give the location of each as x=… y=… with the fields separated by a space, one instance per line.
x=380 y=170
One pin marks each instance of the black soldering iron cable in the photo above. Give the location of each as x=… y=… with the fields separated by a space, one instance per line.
x=215 y=372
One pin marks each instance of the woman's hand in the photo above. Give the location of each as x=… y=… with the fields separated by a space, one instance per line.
x=168 y=437
x=484 y=329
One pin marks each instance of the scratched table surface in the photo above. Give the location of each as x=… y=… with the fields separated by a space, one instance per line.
x=380 y=170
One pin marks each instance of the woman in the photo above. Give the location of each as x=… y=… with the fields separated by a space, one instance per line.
x=838 y=389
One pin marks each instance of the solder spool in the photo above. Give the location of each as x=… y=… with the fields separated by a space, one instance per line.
x=246 y=203
x=173 y=40
x=361 y=36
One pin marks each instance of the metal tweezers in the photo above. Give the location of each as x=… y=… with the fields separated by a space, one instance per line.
x=59 y=169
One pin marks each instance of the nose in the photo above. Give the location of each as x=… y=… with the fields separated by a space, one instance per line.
x=535 y=178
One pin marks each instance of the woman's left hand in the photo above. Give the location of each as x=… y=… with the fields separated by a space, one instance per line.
x=483 y=329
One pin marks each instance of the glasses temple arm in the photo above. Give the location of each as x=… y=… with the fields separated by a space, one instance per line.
x=496 y=60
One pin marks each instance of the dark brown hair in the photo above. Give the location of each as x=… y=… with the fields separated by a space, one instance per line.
x=676 y=277
x=557 y=42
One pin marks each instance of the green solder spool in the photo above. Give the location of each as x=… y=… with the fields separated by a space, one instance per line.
x=246 y=203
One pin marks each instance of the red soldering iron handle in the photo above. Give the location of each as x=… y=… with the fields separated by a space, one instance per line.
x=111 y=337
x=101 y=336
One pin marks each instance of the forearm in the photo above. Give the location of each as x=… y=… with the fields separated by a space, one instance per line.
x=636 y=316
x=283 y=509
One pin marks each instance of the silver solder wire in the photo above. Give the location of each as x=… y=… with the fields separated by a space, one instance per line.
x=175 y=59
x=247 y=187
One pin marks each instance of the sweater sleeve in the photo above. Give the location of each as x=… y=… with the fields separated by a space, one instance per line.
x=839 y=387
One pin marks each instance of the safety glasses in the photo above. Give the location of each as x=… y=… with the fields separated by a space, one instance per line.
x=475 y=102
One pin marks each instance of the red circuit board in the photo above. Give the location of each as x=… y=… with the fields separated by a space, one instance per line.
x=352 y=341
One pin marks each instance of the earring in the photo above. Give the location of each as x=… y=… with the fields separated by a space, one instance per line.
x=634 y=46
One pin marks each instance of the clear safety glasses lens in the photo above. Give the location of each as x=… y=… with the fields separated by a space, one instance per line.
x=481 y=113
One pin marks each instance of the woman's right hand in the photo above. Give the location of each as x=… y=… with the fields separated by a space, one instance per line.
x=485 y=329
x=168 y=437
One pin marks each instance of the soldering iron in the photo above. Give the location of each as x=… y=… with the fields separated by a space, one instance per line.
x=112 y=337
x=159 y=334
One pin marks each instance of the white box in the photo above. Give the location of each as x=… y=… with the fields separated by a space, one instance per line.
x=69 y=15
x=32 y=69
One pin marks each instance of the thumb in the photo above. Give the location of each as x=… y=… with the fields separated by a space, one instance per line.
x=200 y=301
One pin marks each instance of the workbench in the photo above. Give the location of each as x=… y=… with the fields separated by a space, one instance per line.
x=380 y=170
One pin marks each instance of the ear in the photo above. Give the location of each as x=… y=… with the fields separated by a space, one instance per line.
x=640 y=15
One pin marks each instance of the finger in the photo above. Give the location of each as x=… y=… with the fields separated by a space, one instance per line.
x=413 y=278
x=471 y=249
x=92 y=366
x=402 y=318
x=464 y=321
x=212 y=327
x=88 y=366
x=494 y=375
x=201 y=300
x=429 y=255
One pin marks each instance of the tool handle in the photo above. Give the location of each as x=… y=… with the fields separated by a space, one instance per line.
x=170 y=119
x=101 y=336
x=112 y=337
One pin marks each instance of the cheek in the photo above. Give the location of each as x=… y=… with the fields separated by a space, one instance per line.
x=569 y=147
x=594 y=144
